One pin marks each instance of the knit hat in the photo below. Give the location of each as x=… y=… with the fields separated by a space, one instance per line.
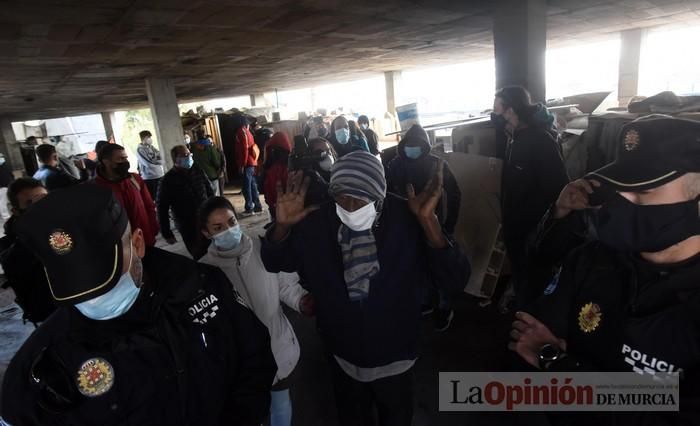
x=358 y=174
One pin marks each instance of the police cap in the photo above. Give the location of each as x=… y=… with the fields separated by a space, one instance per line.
x=76 y=233
x=652 y=152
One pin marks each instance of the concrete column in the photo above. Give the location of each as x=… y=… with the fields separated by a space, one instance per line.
x=392 y=81
x=9 y=145
x=628 y=80
x=166 y=115
x=520 y=40
x=108 y=121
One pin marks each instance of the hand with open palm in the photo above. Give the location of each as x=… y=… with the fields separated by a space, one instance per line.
x=424 y=204
x=290 y=204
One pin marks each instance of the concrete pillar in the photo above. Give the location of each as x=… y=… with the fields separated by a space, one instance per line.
x=9 y=145
x=108 y=121
x=520 y=40
x=392 y=81
x=166 y=115
x=628 y=80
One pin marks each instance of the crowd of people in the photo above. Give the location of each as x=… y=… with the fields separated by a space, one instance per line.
x=130 y=333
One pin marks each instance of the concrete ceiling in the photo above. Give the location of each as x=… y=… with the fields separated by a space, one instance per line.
x=67 y=57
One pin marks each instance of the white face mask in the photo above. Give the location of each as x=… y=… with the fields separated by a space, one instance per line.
x=359 y=220
x=187 y=139
x=148 y=141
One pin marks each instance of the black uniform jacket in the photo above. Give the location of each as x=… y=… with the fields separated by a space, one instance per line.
x=188 y=352
x=533 y=176
x=618 y=312
x=183 y=191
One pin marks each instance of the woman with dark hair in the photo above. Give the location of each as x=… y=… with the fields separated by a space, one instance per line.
x=533 y=176
x=346 y=138
x=238 y=255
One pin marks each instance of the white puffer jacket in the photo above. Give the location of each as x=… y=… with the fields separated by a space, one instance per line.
x=263 y=291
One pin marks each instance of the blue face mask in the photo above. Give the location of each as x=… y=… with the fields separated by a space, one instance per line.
x=185 y=162
x=228 y=239
x=342 y=136
x=413 y=152
x=115 y=302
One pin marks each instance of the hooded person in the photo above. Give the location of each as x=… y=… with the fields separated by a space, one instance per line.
x=365 y=255
x=414 y=165
x=141 y=336
x=346 y=138
x=275 y=170
x=372 y=138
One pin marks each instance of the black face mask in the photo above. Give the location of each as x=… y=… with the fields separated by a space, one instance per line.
x=626 y=226
x=498 y=121
x=122 y=169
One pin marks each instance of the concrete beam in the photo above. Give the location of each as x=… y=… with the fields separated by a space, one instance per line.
x=166 y=115
x=520 y=40
x=9 y=145
x=392 y=81
x=630 y=50
x=108 y=121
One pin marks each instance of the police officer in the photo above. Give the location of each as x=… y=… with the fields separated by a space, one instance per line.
x=142 y=336
x=629 y=299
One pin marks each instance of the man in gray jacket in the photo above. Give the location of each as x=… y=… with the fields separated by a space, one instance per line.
x=150 y=163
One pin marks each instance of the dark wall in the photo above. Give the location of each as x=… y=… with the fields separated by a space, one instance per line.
x=228 y=128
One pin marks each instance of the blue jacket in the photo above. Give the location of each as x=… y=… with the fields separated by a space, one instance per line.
x=54 y=178
x=383 y=328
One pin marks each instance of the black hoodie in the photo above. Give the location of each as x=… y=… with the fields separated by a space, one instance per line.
x=403 y=170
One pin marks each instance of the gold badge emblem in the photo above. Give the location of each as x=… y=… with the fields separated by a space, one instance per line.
x=61 y=242
x=95 y=377
x=589 y=317
x=631 y=140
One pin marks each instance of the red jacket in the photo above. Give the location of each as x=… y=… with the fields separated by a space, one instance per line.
x=278 y=171
x=247 y=152
x=133 y=195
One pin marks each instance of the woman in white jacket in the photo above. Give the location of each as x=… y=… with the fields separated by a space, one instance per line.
x=238 y=255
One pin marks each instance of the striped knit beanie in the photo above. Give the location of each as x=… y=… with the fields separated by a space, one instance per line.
x=358 y=174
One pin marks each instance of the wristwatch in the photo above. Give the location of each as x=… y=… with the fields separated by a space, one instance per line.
x=550 y=353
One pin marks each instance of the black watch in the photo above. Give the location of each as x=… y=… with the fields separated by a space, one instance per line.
x=549 y=354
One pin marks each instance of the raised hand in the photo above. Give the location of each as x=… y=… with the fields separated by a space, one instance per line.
x=574 y=196
x=290 y=204
x=424 y=204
